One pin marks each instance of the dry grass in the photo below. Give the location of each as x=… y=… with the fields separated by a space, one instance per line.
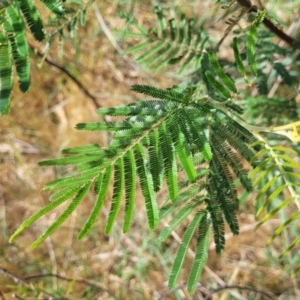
x=40 y=124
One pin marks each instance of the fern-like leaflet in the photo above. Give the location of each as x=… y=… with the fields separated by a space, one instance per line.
x=173 y=41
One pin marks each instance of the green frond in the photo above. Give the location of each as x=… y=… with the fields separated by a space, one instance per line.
x=275 y=176
x=98 y=183
x=117 y=194
x=155 y=160
x=282 y=227
x=251 y=41
x=284 y=149
x=218 y=87
x=56 y=6
x=124 y=110
x=193 y=193
x=177 y=220
x=6 y=74
x=221 y=146
x=262 y=83
x=281 y=70
x=274 y=211
x=172 y=42
x=266 y=187
x=170 y=95
x=183 y=248
x=162 y=21
x=295 y=243
x=83 y=17
x=183 y=150
x=76 y=159
x=201 y=253
x=229 y=83
x=23 y=73
x=65 y=182
x=130 y=188
x=15 y=28
x=217 y=220
x=168 y=157
x=37 y=215
x=238 y=59
x=71 y=207
x=238 y=137
x=223 y=187
x=186 y=124
x=102 y=189
x=65 y=194
x=32 y=18
x=108 y=126
x=82 y=149
x=143 y=170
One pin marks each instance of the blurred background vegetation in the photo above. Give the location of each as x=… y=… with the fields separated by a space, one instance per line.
x=86 y=72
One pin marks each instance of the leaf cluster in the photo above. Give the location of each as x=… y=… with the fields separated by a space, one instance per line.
x=14 y=47
x=192 y=139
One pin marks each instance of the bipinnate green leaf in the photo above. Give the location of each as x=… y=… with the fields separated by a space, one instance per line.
x=201 y=253
x=177 y=220
x=33 y=19
x=183 y=151
x=65 y=182
x=118 y=188
x=146 y=182
x=65 y=193
x=16 y=32
x=267 y=202
x=220 y=89
x=102 y=189
x=6 y=74
x=170 y=166
x=217 y=220
x=157 y=93
x=280 y=229
x=36 y=216
x=172 y=42
x=290 y=247
x=199 y=138
x=183 y=248
x=76 y=159
x=238 y=59
x=162 y=21
x=274 y=211
x=130 y=188
x=82 y=149
x=71 y=207
x=251 y=43
x=155 y=160
x=55 y=6
x=229 y=83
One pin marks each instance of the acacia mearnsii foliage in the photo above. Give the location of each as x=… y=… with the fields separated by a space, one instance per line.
x=200 y=139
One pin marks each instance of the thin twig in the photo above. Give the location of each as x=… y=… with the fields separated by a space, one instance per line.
x=82 y=281
x=239 y=288
x=106 y=30
x=69 y=74
x=270 y=25
x=24 y=283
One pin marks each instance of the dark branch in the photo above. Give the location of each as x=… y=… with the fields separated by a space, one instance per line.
x=69 y=74
x=269 y=24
